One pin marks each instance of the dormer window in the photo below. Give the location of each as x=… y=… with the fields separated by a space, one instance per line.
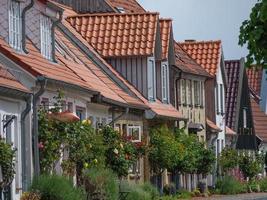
x=151 y=80
x=121 y=9
x=15 y=24
x=165 y=83
x=46 y=37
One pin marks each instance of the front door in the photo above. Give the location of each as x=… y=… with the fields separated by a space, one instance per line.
x=10 y=133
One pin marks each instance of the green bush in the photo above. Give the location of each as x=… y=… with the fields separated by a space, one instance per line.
x=263 y=185
x=139 y=191
x=102 y=180
x=229 y=185
x=53 y=187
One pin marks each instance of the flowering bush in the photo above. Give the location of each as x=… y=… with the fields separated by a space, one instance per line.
x=7 y=155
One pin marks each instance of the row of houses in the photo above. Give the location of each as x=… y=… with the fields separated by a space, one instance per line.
x=118 y=64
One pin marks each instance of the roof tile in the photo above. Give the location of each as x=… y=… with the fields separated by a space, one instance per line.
x=165 y=32
x=254 y=79
x=206 y=53
x=135 y=32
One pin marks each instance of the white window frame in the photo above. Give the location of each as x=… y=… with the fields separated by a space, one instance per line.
x=165 y=82
x=151 y=80
x=129 y=127
x=245 y=117
x=15 y=22
x=46 y=36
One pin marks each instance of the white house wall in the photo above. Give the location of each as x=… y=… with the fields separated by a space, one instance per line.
x=263 y=102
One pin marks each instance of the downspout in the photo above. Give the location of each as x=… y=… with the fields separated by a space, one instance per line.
x=23 y=25
x=55 y=23
x=23 y=143
x=42 y=81
x=117 y=118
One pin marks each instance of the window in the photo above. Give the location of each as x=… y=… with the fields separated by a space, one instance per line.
x=135 y=168
x=120 y=9
x=45 y=103
x=221 y=98
x=80 y=112
x=217 y=99
x=197 y=93
x=151 y=80
x=189 y=92
x=70 y=106
x=165 y=83
x=135 y=133
x=46 y=39
x=183 y=89
x=245 y=117
x=201 y=93
x=15 y=25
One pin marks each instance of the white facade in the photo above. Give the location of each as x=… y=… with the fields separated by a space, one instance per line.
x=263 y=102
x=220 y=109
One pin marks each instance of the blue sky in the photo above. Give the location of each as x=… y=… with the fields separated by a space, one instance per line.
x=206 y=20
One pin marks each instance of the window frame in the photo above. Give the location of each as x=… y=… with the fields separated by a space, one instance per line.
x=217 y=99
x=46 y=36
x=197 y=93
x=221 y=99
x=183 y=92
x=151 y=80
x=135 y=127
x=14 y=25
x=165 y=82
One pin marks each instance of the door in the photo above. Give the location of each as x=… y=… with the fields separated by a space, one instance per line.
x=10 y=133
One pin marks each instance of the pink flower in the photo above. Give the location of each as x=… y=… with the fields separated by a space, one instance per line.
x=41 y=145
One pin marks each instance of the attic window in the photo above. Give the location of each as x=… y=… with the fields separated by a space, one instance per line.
x=15 y=25
x=120 y=9
x=46 y=37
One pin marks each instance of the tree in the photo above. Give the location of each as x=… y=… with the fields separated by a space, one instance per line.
x=228 y=159
x=253 y=32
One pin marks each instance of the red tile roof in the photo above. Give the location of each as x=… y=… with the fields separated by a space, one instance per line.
x=229 y=131
x=254 y=79
x=213 y=126
x=187 y=64
x=118 y=34
x=129 y=6
x=259 y=120
x=206 y=53
x=233 y=70
x=165 y=33
x=7 y=80
x=160 y=109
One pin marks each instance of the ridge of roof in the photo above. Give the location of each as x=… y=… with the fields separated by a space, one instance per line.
x=112 y=14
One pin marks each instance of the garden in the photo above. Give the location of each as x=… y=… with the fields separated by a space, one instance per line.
x=94 y=164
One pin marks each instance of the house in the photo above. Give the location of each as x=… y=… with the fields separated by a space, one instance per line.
x=239 y=114
x=51 y=61
x=209 y=55
x=15 y=105
x=189 y=78
x=256 y=79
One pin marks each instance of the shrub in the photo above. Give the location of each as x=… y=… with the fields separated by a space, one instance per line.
x=263 y=185
x=103 y=181
x=31 y=196
x=53 y=187
x=169 y=189
x=229 y=185
x=228 y=159
x=151 y=189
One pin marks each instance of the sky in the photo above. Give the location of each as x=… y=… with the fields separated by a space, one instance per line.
x=206 y=20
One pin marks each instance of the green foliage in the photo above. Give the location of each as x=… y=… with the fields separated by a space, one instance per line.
x=52 y=187
x=253 y=32
x=165 y=152
x=85 y=147
x=7 y=156
x=229 y=185
x=140 y=191
x=263 y=185
x=228 y=160
x=103 y=181
x=251 y=166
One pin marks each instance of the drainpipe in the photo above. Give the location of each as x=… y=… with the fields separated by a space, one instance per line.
x=117 y=118
x=42 y=81
x=55 y=23
x=215 y=165
x=23 y=143
x=23 y=26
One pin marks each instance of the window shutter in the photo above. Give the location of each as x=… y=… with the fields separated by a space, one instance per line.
x=221 y=98
x=217 y=99
x=151 y=80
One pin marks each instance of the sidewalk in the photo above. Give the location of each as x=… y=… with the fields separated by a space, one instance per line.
x=250 y=196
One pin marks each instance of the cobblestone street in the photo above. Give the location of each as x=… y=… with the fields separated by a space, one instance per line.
x=252 y=196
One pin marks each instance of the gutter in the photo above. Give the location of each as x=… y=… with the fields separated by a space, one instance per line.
x=42 y=81
x=23 y=27
x=23 y=143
